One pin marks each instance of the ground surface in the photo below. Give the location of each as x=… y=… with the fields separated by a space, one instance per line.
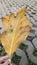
x=26 y=54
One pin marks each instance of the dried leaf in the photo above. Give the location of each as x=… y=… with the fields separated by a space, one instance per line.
x=16 y=30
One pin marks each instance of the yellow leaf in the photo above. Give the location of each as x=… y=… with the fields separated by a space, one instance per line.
x=16 y=30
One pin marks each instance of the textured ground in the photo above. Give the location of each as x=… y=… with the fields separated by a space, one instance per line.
x=24 y=54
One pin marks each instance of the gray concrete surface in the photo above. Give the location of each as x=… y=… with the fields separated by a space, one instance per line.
x=8 y=6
